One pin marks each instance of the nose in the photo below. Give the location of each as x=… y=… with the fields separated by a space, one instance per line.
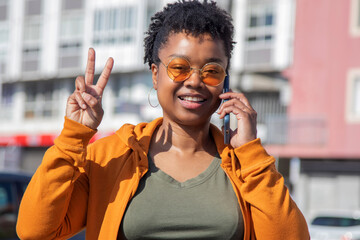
x=194 y=80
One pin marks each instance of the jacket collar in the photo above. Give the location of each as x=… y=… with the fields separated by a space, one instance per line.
x=138 y=138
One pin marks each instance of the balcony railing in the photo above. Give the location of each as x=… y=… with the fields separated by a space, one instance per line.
x=285 y=130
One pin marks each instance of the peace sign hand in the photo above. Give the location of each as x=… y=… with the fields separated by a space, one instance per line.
x=246 y=118
x=84 y=104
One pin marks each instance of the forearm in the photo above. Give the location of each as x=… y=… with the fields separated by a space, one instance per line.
x=274 y=214
x=55 y=201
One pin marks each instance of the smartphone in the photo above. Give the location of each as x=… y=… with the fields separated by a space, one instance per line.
x=227 y=116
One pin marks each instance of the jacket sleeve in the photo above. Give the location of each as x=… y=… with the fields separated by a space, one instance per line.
x=55 y=202
x=274 y=214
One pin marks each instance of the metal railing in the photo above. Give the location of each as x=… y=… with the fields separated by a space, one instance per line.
x=285 y=130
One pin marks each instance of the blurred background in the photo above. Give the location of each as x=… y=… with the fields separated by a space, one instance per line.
x=298 y=62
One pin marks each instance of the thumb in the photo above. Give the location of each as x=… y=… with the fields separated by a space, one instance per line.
x=94 y=103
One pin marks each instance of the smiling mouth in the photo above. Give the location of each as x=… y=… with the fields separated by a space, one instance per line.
x=192 y=99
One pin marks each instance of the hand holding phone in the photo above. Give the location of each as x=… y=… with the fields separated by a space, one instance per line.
x=245 y=114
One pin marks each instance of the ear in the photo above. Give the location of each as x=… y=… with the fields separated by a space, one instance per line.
x=155 y=71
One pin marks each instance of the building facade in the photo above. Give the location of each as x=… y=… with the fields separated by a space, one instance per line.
x=44 y=44
x=319 y=136
x=43 y=47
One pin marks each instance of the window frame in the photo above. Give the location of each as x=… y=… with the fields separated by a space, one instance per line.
x=352 y=78
x=355 y=18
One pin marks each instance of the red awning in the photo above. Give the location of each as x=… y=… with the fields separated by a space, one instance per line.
x=41 y=140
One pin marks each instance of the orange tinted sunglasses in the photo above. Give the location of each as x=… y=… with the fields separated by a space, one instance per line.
x=179 y=69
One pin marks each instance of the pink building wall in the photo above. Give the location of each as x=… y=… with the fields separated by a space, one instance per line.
x=324 y=51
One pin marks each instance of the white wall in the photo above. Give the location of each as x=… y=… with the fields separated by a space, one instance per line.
x=318 y=192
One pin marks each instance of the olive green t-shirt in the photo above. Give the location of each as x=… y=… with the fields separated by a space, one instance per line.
x=204 y=207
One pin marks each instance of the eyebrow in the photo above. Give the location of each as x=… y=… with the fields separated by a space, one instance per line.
x=208 y=60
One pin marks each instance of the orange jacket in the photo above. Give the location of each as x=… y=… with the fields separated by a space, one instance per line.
x=80 y=184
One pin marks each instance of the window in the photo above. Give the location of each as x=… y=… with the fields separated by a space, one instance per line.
x=31 y=59
x=4 y=23
x=269 y=18
x=3 y=60
x=32 y=36
x=33 y=7
x=70 y=55
x=7 y=211
x=336 y=221
x=6 y=106
x=3 y=197
x=353 y=96
x=115 y=26
x=71 y=34
x=259 y=34
x=72 y=26
x=356 y=96
x=72 y=19
x=269 y=107
x=42 y=99
x=358 y=14
x=122 y=88
x=260 y=15
x=72 y=4
x=130 y=94
x=4 y=34
x=32 y=31
x=8 y=91
x=355 y=18
x=4 y=6
x=152 y=7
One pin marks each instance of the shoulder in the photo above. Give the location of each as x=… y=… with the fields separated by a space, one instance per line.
x=112 y=145
x=128 y=138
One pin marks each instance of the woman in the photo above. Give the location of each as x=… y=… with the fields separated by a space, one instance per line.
x=172 y=178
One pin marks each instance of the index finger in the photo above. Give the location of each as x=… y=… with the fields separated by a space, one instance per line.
x=90 y=67
x=104 y=77
x=239 y=96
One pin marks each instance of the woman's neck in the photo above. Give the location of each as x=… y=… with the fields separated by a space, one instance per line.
x=185 y=139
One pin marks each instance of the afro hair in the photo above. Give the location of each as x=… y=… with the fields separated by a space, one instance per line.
x=192 y=17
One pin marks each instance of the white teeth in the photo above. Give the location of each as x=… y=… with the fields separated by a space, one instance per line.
x=192 y=99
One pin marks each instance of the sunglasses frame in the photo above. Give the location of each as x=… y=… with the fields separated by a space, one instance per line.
x=192 y=70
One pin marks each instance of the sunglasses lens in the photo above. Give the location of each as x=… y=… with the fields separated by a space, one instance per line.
x=178 y=69
x=213 y=74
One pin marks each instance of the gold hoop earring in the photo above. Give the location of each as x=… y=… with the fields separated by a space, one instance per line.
x=153 y=106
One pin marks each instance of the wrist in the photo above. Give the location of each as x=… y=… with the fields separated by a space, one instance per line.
x=76 y=134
